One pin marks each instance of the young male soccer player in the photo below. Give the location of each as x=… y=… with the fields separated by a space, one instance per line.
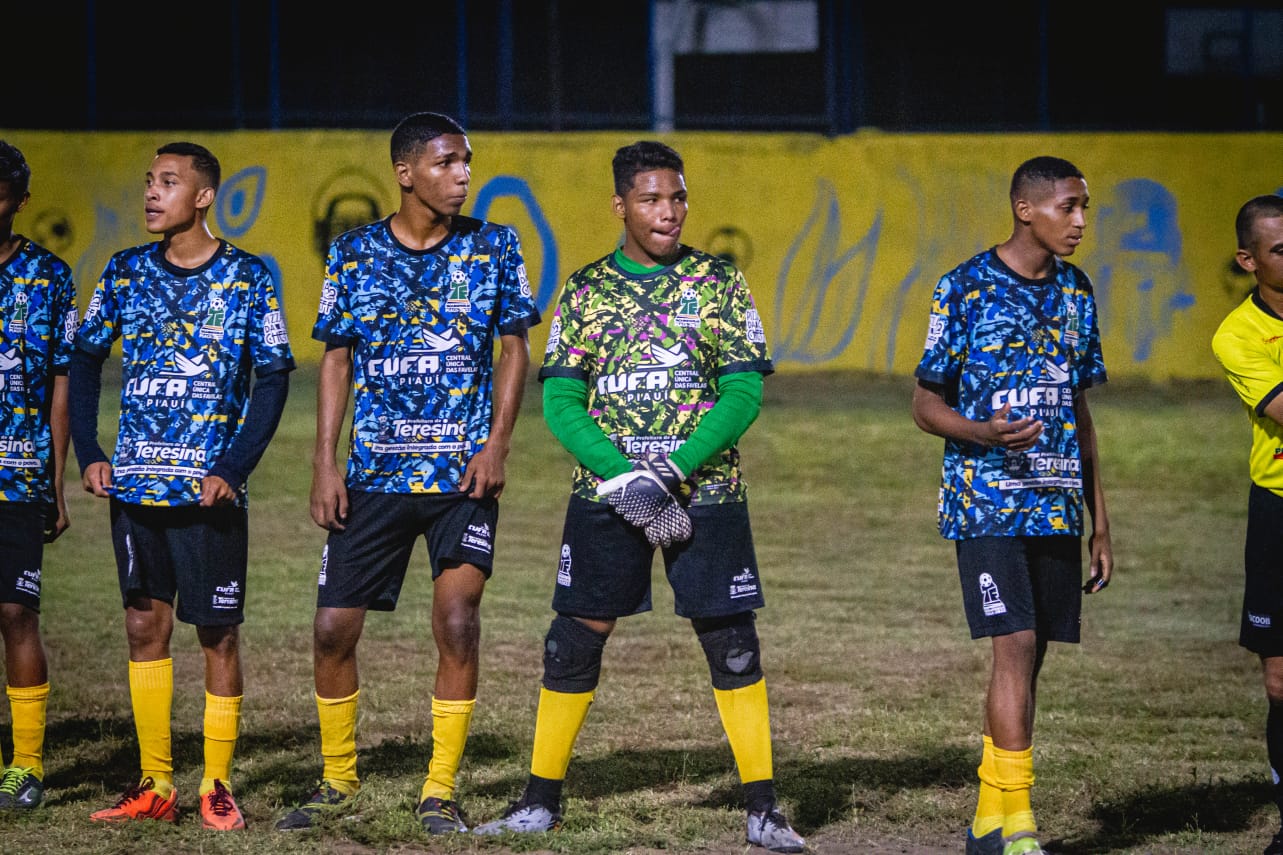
x=196 y=317
x=409 y=313
x=1249 y=346
x=1011 y=350
x=653 y=371
x=37 y=327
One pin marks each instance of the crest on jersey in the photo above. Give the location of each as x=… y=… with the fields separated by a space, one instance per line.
x=458 y=299
x=215 y=315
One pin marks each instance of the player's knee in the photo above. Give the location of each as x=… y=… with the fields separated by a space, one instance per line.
x=571 y=656
x=732 y=649
x=457 y=630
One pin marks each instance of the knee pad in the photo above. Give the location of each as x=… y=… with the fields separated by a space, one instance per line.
x=732 y=649
x=571 y=656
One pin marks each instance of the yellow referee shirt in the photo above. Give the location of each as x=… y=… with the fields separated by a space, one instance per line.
x=1249 y=346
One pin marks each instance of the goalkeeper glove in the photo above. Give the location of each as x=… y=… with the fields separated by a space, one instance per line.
x=642 y=497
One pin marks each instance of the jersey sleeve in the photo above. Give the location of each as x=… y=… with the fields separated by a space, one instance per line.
x=945 y=347
x=335 y=324
x=1255 y=376
x=565 y=355
x=66 y=314
x=269 y=341
x=743 y=337
x=101 y=324
x=517 y=310
x=1090 y=368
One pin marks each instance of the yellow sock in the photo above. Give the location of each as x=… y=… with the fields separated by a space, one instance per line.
x=450 y=720
x=989 y=808
x=746 y=718
x=151 y=691
x=27 y=705
x=557 y=725
x=222 y=726
x=338 y=741
x=1015 y=776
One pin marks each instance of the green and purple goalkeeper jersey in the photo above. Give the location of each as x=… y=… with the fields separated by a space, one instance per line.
x=996 y=338
x=189 y=341
x=652 y=347
x=37 y=328
x=422 y=325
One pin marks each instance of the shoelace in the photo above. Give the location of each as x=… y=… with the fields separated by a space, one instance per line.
x=136 y=791
x=220 y=800
x=12 y=780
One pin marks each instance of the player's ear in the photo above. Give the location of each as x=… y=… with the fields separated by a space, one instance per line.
x=205 y=197
x=617 y=205
x=1023 y=210
x=1245 y=260
x=402 y=170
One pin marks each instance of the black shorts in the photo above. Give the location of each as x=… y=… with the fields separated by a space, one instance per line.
x=191 y=557
x=604 y=567
x=22 y=546
x=1010 y=584
x=1261 y=626
x=364 y=565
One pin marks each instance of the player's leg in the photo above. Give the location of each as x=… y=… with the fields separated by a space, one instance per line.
x=211 y=549
x=716 y=585
x=26 y=666
x=1261 y=626
x=362 y=568
x=998 y=600
x=460 y=533
x=603 y=571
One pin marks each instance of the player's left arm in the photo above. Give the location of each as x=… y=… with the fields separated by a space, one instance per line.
x=484 y=474
x=739 y=401
x=232 y=469
x=60 y=428
x=1102 y=550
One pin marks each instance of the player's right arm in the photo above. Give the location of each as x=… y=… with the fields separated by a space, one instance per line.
x=932 y=413
x=329 y=493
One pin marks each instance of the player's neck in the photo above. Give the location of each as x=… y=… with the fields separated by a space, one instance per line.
x=1272 y=298
x=190 y=247
x=8 y=245
x=420 y=228
x=1029 y=259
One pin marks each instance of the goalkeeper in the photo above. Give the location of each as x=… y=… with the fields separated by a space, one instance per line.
x=653 y=371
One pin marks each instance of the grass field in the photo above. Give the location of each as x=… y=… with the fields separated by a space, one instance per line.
x=1149 y=735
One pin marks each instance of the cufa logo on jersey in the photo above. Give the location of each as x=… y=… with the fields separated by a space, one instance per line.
x=458 y=300
x=18 y=323
x=215 y=315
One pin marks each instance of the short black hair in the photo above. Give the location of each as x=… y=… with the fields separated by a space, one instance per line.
x=418 y=129
x=203 y=160
x=1041 y=170
x=1256 y=208
x=642 y=156
x=14 y=169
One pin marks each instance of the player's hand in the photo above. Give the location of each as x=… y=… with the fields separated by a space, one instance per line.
x=484 y=475
x=643 y=500
x=1001 y=431
x=1102 y=561
x=328 y=499
x=215 y=491
x=97 y=479
x=56 y=521
x=669 y=473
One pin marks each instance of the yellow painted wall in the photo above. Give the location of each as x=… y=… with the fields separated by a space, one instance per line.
x=841 y=239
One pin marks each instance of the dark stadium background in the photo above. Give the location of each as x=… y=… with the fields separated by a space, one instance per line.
x=1036 y=65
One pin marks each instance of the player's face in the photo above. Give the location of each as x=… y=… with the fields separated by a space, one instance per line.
x=10 y=204
x=1264 y=258
x=438 y=178
x=175 y=191
x=1058 y=217
x=653 y=211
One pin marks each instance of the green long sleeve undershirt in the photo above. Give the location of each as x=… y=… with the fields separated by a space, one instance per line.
x=565 y=409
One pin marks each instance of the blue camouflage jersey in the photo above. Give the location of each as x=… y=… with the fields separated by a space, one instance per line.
x=189 y=341
x=997 y=338
x=37 y=328
x=422 y=325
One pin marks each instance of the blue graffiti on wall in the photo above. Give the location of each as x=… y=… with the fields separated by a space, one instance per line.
x=239 y=201
x=1140 y=281
x=512 y=186
x=820 y=292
